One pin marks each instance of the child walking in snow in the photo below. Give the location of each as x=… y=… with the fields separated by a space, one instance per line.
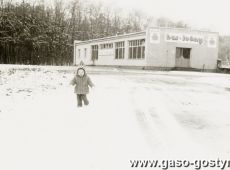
x=82 y=82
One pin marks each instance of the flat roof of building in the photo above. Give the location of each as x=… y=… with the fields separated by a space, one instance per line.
x=112 y=37
x=141 y=33
x=186 y=29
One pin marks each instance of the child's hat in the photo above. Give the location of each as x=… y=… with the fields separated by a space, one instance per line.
x=81 y=64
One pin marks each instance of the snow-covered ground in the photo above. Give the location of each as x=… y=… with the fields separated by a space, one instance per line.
x=133 y=114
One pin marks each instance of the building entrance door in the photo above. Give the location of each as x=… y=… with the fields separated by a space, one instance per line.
x=183 y=57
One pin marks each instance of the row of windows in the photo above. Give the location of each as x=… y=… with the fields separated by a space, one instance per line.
x=106 y=46
x=137 y=52
x=120 y=50
x=137 y=43
x=136 y=49
x=94 y=52
x=79 y=52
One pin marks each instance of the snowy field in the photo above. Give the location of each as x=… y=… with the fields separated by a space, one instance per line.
x=133 y=114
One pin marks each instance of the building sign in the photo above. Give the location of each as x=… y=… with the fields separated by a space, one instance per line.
x=154 y=36
x=184 y=38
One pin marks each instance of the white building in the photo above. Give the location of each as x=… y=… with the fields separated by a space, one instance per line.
x=154 y=48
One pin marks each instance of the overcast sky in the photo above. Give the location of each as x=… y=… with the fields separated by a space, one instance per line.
x=210 y=14
x=207 y=14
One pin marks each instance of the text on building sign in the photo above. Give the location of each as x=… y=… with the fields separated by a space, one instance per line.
x=184 y=38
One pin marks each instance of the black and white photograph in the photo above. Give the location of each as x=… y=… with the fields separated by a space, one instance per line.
x=114 y=85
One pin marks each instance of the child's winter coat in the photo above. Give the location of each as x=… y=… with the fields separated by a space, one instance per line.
x=82 y=83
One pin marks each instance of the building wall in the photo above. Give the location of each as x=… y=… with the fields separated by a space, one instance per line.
x=205 y=56
x=107 y=56
x=86 y=58
x=163 y=54
x=159 y=52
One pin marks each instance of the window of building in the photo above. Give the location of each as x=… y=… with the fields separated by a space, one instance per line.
x=94 y=52
x=79 y=53
x=85 y=52
x=120 y=50
x=106 y=46
x=137 y=49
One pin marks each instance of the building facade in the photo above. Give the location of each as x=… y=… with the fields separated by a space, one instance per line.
x=153 y=48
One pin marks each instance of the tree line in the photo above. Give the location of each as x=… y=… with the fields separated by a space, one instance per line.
x=35 y=33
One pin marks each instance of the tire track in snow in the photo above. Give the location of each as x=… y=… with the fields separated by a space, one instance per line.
x=160 y=127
